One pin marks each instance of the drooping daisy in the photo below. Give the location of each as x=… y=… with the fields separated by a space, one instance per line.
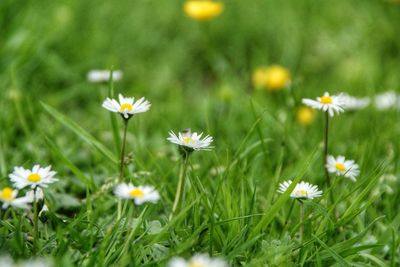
x=354 y=103
x=139 y=194
x=302 y=190
x=326 y=103
x=190 y=140
x=341 y=166
x=127 y=106
x=9 y=198
x=96 y=76
x=37 y=177
x=198 y=260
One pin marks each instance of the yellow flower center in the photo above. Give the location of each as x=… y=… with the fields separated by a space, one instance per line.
x=340 y=166
x=195 y=264
x=34 y=178
x=326 y=99
x=301 y=193
x=186 y=140
x=6 y=194
x=136 y=193
x=126 y=106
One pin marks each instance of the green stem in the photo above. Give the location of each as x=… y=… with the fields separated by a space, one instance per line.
x=301 y=221
x=325 y=159
x=122 y=164
x=181 y=184
x=122 y=160
x=35 y=223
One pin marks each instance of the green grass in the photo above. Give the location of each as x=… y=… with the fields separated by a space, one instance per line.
x=50 y=114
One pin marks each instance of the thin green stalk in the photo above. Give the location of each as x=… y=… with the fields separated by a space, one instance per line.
x=326 y=134
x=35 y=223
x=122 y=160
x=122 y=164
x=325 y=159
x=181 y=184
x=301 y=221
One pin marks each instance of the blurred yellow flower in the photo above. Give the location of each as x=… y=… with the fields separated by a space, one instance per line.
x=305 y=115
x=202 y=9
x=272 y=78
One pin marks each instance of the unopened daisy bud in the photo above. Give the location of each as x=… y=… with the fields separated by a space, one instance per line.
x=37 y=177
x=341 y=166
x=202 y=9
x=273 y=78
x=198 y=260
x=126 y=106
x=305 y=116
x=96 y=76
x=302 y=190
x=9 y=198
x=326 y=103
x=139 y=194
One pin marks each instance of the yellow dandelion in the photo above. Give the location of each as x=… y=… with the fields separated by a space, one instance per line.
x=272 y=78
x=305 y=115
x=202 y=9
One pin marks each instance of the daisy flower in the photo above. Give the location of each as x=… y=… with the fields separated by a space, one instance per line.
x=385 y=101
x=127 y=106
x=9 y=198
x=326 y=103
x=191 y=141
x=341 y=166
x=198 y=260
x=37 y=177
x=354 y=103
x=96 y=76
x=303 y=190
x=139 y=194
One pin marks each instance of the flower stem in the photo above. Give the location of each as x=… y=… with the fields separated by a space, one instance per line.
x=326 y=133
x=301 y=221
x=35 y=222
x=181 y=184
x=121 y=165
x=325 y=159
x=122 y=160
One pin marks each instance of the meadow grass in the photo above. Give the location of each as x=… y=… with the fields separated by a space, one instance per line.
x=198 y=76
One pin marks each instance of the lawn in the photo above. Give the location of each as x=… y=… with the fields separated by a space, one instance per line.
x=199 y=74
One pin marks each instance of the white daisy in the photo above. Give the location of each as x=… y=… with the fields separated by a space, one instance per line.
x=303 y=190
x=326 y=103
x=354 y=103
x=9 y=198
x=385 y=100
x=95 y=76
x=191 y=140
x=139 y=194
x=198 y=260
x=341 y=166
x=37 y=177
x=126 y=106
